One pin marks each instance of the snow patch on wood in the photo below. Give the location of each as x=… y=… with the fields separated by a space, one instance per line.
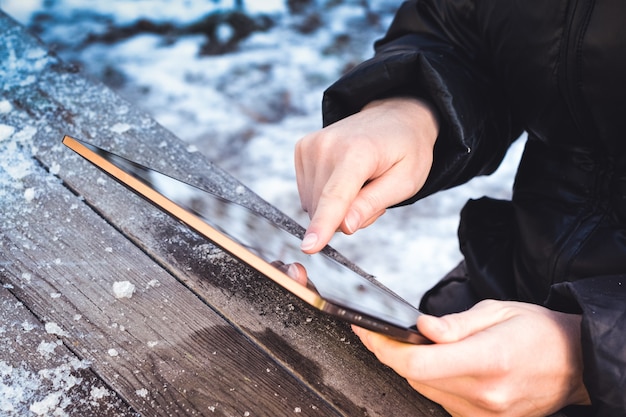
x=123 y=289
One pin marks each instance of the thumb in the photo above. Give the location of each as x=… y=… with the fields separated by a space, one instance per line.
x=374 y=198
x=454 y=327
x=354 y=220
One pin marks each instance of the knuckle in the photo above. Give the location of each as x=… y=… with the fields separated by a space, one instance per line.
x=303 y=144
x=495 y=396
x=316 y=143
x=495 y=400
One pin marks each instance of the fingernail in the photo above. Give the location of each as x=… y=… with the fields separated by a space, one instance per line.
x=293 y=272
x=309 y=241
x=352 y=221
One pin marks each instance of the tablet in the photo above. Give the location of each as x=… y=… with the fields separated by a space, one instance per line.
x=263 y=245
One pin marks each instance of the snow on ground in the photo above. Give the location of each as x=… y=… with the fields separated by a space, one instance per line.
x=246 y=109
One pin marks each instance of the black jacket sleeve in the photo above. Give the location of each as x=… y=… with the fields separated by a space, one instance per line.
x=433 y=51
x=601 y=300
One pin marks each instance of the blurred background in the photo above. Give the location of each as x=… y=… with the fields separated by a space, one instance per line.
x=241 y=81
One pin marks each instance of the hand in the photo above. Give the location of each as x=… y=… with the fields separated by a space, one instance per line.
x=497 y=359
x=349 y=172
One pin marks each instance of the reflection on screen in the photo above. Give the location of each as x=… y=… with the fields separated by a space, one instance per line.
x=333 y=281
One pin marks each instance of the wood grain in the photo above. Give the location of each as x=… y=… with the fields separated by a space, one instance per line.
x=163 y=350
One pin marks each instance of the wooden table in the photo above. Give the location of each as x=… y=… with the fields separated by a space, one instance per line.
x=201 y=335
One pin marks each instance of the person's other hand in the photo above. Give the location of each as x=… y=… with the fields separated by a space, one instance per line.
x=295 y=271
x=349 y=172
x=496 y=359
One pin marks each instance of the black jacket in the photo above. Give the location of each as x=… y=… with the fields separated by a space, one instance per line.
x=556 y=69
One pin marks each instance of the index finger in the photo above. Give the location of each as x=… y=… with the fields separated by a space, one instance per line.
x=429 y=362
x=335 y=199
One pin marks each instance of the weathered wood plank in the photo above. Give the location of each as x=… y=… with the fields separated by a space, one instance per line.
x=47 y=101
x=163 y=350
x=41 y=376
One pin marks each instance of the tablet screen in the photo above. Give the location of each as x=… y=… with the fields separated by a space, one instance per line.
x=334 y=282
